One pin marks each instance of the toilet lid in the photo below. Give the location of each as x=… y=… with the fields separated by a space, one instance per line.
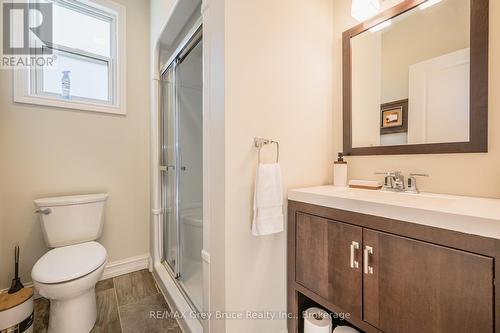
x=69 y=262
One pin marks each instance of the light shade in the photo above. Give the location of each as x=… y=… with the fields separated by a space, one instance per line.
x=364 y=9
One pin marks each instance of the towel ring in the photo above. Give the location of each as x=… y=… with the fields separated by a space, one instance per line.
x=261 y=142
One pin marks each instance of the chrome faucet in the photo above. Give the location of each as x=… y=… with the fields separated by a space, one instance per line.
x=395 y=181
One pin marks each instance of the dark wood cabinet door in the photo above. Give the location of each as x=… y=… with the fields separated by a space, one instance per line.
x=421 y=287
x=324 y=260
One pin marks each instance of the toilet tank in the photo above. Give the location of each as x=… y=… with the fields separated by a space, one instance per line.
x=71 y=219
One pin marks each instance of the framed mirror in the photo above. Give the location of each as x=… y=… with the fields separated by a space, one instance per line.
x=415 y=80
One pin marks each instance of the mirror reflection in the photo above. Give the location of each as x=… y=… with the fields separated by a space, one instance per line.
x=410 y=77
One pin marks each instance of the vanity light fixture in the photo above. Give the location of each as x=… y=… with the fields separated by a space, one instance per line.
x=364 y=9
x=381 y=26
x=428 y=3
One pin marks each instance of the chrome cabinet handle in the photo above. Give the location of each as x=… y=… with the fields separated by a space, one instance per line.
x=354 y=247
x=45 y=211
x=367 y=254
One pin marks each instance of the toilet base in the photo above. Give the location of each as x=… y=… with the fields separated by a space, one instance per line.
x=76 y=315
x=73 y=306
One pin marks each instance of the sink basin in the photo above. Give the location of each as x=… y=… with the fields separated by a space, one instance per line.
x=472 y=215
x=396 y=198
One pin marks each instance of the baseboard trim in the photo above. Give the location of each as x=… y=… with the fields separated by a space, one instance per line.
x=125 y=266
x=112 y=269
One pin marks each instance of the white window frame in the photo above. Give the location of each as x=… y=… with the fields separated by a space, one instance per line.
x=27 y=81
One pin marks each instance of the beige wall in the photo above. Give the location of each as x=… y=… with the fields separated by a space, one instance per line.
x=48 y=151
x=278 y=85
x=466 y=174
x=366 y=87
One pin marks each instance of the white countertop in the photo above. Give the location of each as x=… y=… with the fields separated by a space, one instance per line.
x=476 y=216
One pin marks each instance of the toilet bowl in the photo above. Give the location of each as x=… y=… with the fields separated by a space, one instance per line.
x=67 y=277
x=67 y=274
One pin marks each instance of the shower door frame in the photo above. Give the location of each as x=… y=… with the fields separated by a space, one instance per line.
x=192 y=39
x=164 y=169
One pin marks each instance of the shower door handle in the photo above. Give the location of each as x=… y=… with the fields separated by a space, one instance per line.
x=165 y=168
x=170 y=167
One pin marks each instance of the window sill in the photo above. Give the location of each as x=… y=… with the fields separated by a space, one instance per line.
x=21 y=95
x=75 y=105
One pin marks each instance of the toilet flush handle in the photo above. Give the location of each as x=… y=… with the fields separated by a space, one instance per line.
x=45 y=211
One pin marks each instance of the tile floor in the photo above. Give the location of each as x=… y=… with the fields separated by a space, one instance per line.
x=123 y=305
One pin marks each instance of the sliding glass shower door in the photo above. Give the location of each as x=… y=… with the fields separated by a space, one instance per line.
x=169 y=161
x=182 y=168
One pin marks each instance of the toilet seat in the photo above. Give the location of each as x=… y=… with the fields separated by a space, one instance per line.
x=70 y=262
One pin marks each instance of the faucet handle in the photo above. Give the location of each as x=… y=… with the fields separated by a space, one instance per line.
x=412 y=182
x=419 y=175
x=396 y=174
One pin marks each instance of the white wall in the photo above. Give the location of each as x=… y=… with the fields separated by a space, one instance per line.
x=450 y=173
x=278 y=85
x=48 y=151
x=439 y=89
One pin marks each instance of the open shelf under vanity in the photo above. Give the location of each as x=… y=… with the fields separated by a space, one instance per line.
x=338 y=319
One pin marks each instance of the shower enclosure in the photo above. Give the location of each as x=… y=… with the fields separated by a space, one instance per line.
x=181 y=168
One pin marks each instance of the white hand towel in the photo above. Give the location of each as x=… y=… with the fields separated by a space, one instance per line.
x=268 y=201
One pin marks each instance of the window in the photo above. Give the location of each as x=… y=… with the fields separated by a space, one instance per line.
x=88 y=72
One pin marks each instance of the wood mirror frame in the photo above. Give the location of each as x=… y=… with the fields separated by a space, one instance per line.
x=478 y=120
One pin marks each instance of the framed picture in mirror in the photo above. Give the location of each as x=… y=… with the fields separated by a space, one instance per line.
x=394 y=117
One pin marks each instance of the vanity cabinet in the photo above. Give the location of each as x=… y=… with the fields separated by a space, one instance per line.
x=327 y=260
x=390 y=276
x=414 y=286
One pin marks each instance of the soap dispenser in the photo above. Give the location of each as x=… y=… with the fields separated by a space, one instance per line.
x=340 y=171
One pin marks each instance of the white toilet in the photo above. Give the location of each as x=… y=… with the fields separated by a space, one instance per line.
x=67 y=274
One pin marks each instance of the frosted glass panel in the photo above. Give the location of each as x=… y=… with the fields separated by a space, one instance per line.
x=168 y=177
x=81 y=31
x=190 y=121
x=89 y=77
